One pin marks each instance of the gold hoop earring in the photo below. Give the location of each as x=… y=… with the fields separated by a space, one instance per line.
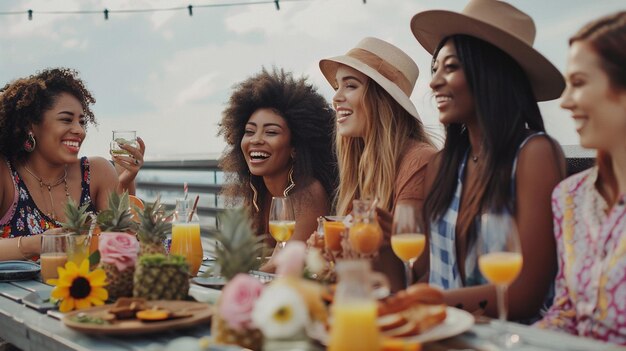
x=291 y=184
x=255 y=194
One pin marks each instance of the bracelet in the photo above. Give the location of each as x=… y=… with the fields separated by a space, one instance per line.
x=19 y=247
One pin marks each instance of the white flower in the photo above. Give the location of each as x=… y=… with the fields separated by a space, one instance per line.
x=280 y=312
x=315 y=263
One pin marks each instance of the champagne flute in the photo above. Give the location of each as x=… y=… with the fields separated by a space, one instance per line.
x=500 y=261
x=282 y=220
x=407 y=239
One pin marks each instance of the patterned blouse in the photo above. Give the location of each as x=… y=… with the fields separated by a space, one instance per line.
x=24 y=218
x=590 y=298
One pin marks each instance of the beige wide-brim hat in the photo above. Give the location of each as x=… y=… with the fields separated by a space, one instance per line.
x=500 y=24
x=384 y=63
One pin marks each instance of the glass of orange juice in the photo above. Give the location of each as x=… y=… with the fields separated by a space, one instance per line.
x=53 y=254
x=334 y=229
x=407 y=239
x=186 y=235
x=500 y=261
x=282 y=220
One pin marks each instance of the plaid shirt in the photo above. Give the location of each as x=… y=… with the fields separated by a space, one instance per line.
x=444 y=268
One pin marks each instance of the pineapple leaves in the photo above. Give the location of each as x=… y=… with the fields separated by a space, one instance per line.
x=238 y=247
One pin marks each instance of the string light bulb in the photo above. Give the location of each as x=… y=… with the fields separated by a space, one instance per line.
x=277 y=5
x=30 y=15
x=106 y=14
x=190 y=8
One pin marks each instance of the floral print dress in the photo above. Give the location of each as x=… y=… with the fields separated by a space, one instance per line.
x=590 y=298
x=24 y=218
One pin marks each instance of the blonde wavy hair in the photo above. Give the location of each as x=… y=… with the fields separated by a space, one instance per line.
x=368 y=165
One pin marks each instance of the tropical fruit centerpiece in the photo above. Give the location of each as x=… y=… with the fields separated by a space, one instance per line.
x=118 y=246
x=237 y=253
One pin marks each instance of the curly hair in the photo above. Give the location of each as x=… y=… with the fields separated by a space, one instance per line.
x=309 y=118
x=24 y=101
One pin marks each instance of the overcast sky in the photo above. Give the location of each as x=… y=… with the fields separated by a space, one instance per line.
x=169 y=75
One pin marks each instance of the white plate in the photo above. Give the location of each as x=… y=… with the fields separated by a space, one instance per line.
x=457 y=321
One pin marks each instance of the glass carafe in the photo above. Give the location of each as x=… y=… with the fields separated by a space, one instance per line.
x=365 y=235
x=355 y=310
x=186 y=235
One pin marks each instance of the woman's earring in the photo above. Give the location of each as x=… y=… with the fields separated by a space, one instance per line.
x=30 y=143
x=255 y=194
x=291 y=184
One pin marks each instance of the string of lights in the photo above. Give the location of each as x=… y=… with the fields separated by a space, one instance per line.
x=106 y=12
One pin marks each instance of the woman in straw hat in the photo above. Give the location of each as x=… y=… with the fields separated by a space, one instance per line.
x=382 y=148
x=276 y=127
x=486 y=79
x=589 y=207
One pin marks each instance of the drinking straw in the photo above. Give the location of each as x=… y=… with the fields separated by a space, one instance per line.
x=193 y=209
x=186 y=190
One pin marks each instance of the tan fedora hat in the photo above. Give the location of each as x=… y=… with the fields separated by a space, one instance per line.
x=500 y=24
x=384 y=63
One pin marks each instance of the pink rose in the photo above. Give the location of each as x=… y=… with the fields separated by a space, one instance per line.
x=119 y=249
x=237 y=301
x=290 y=260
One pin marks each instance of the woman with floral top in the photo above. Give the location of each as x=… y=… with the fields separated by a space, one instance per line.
x=589 y=207
x=43 y=120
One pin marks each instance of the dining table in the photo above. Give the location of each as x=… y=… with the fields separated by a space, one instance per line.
x=30 y=322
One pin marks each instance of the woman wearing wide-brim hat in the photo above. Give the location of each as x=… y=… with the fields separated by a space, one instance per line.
x=382 y=148
x=487 y=79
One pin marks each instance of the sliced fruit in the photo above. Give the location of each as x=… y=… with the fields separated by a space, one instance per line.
x=153 y=315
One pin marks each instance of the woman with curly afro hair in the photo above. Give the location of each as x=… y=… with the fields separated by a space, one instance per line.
x=43 y=120
x=280 y=142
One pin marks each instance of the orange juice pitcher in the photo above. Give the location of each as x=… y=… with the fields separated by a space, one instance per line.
x=355 y=310
x=365 y=235
x=186 y=236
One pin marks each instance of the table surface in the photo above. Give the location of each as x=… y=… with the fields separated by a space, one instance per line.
x=25 y=323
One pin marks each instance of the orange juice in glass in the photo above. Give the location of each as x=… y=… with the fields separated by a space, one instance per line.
x=53 y=255
x=282 y=230
x=186 y=236
x=408 y=246
x=500 y=267
x=282 y=220
x=407 y=240
x=332 y=234
x=354 y=326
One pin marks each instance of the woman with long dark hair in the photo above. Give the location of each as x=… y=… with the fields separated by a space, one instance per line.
x=486 y=79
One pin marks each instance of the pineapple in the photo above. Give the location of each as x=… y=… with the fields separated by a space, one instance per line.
x=117 y=218
x=75 y=218
x=153 y=228
x=239 y=248
x=237 y=252
x=159 y=277
x=77 y=224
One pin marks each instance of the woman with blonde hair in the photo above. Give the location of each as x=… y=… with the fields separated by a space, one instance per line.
x=382 y=148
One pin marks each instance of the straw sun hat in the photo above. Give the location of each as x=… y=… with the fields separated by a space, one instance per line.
x=384 y=63
x=500 y=24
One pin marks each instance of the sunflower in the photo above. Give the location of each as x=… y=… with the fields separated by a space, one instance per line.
x=78 y=288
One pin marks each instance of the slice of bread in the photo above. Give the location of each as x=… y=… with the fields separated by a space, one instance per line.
x=412 y=311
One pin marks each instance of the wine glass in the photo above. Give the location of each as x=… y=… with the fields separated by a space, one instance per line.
x=407 y=239
x=500 y=261
x=282 y=220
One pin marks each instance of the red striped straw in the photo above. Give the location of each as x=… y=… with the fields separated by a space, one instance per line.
x=186 y=190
